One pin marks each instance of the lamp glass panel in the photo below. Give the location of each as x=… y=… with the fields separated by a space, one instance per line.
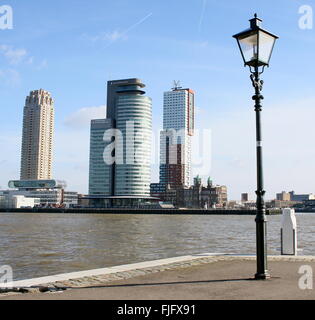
x=249 y=47
x=266 y=43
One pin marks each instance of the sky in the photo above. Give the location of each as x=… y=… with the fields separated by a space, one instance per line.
x=72 y=48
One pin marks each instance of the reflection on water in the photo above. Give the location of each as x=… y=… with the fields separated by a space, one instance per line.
x=38 y=244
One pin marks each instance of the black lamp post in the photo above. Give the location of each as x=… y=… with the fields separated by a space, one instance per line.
x=256 y=46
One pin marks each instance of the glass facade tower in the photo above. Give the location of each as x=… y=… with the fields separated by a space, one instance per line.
x=100 y=173
x=120 y=159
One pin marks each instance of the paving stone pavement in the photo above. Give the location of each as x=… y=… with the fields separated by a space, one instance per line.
x=218 y=269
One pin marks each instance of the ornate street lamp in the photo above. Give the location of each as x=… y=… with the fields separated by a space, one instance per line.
x=256 y=46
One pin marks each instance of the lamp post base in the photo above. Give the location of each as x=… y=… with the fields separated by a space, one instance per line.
x=262 y=276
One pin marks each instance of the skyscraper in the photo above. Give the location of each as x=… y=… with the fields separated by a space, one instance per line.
x=37 y=138
x=120 y=149
x=134 y=120
x=100 y=173
x=175 y=139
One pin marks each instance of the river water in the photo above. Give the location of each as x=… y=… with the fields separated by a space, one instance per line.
x=41 y=244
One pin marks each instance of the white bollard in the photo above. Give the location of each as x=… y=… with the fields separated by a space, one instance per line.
x=288 y=232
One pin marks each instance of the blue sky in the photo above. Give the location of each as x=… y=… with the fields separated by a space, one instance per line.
x=72 y=48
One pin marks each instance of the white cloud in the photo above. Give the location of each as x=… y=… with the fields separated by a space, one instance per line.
x=14 y=56
x=83 y=116
x=17 y=56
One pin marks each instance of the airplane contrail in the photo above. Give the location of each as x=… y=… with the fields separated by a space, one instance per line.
x=203 y=10
x=137 y=23
x=123 y=33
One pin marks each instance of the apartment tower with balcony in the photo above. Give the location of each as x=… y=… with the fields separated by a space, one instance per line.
x=37 y=136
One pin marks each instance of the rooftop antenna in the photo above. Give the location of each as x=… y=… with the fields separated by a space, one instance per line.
x=176 y=85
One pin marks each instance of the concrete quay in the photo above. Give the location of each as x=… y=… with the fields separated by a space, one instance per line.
x=141 y=211
x=196 y=277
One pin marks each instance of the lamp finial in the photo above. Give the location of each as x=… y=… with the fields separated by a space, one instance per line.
x=255 y=22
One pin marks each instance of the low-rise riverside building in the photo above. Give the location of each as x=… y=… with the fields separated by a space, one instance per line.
x=10 y=201
x=281 y=204
x=51 y=193
x=301 y=197
x=283 y=196
x=292 y=196
x=196 y=196
x=308 y=204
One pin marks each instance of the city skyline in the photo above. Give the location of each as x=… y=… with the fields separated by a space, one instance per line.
x=203 y=57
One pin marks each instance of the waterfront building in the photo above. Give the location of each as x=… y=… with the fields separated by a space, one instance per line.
x=122 y=142
x=175 y=139
x=37 y=137
x=281 y=204
x=283 y=196
x=10 y=201
x=196 y=196
x=301 y=197
x=51 y=193
x=158 y=190
x=36 y=187
x=244 y=197
x=292 y=196
x=100 y=177
x=133 y=113
x=210 y=196
x=308 y=205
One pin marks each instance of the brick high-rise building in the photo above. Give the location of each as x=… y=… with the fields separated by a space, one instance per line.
x=37 y=139
x=175 y=139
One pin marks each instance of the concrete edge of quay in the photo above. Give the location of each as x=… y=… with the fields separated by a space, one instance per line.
x=81 y=279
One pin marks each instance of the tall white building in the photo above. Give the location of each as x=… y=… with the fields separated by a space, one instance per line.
x=175 y=139
x=37 y=138
x=122 y=175
x=134 y=120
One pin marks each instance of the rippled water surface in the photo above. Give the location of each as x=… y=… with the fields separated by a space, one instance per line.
x=39 y=244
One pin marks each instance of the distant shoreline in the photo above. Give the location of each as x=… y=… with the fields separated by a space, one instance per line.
x=141 y=211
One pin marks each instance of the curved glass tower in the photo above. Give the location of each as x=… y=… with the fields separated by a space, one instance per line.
x=124 y=138
x=134 y=120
